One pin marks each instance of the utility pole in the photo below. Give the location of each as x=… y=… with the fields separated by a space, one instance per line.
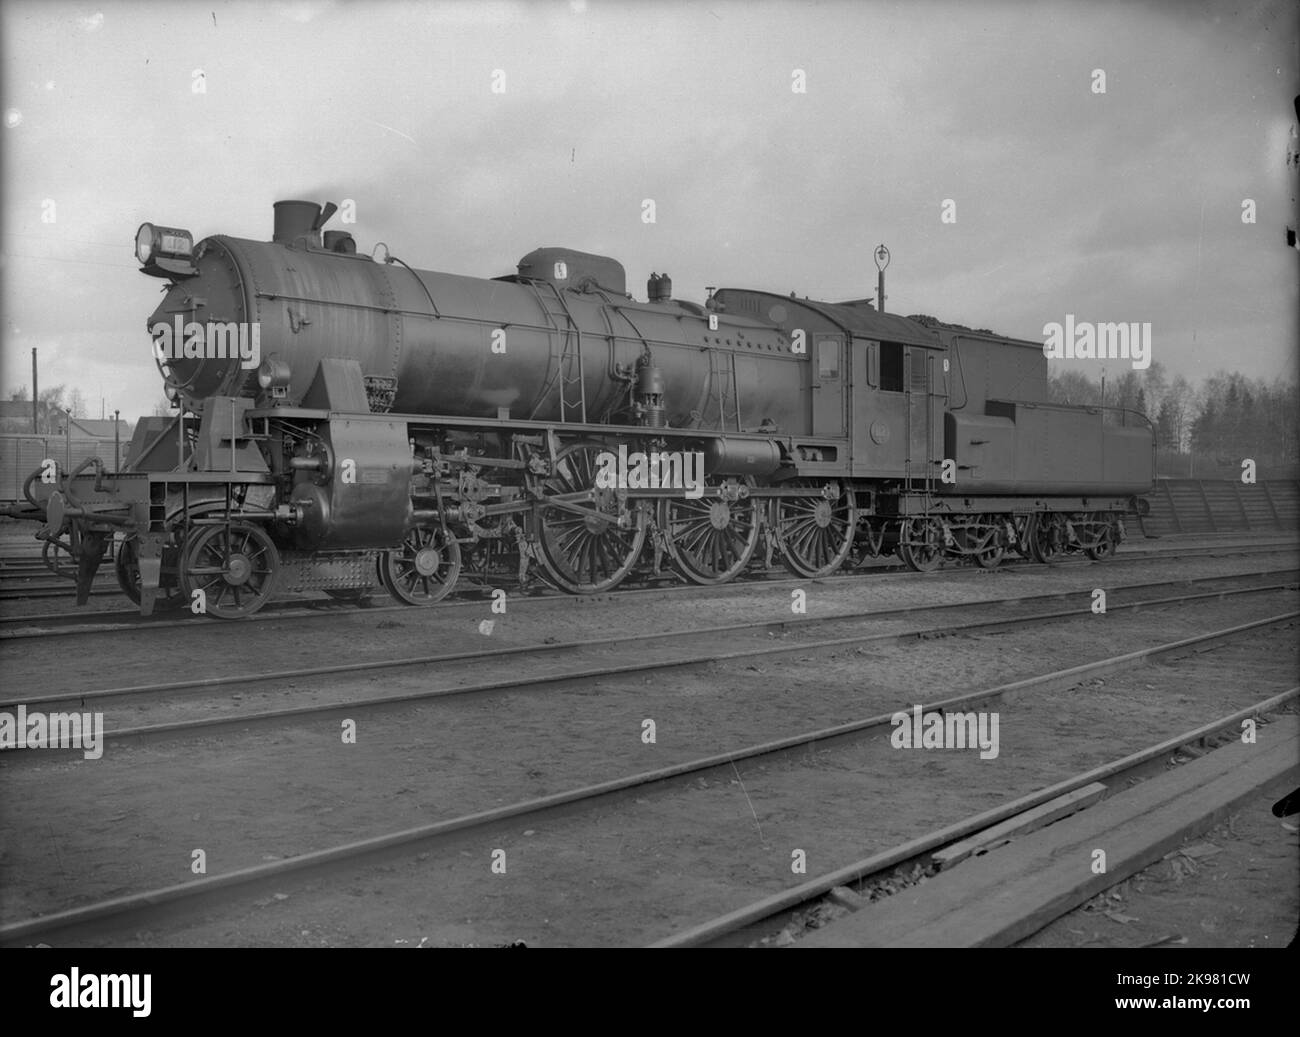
x=36 y=395
x=117 y=443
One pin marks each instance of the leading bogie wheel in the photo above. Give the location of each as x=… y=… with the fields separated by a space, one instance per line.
x=228 y=570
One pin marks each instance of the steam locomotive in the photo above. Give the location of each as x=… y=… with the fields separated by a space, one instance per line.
x=346 y=420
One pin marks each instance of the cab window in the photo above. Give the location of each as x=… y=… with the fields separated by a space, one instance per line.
x=828 y=358
x=891 y=367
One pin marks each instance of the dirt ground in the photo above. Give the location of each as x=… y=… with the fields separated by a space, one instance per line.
x=1237 y=885
x=635 y=868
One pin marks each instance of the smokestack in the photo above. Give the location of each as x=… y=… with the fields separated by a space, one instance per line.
x=294 y=220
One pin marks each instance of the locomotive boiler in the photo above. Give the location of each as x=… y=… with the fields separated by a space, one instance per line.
x=559 y=342
x=346 y=420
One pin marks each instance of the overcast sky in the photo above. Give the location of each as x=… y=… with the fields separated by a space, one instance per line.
x=1122 y=206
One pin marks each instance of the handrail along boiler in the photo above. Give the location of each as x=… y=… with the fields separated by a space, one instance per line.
x=401 y=426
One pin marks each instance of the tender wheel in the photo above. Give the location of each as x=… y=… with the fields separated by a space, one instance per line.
x=710 y=540
x=989 y=542
x=1022 y=542
x=424 y=569
x=233 y=565
x=1105 y=546
x=586 y=553
x=921 y=544
x=815 y=533
x=1047 y=537
x=127 y=567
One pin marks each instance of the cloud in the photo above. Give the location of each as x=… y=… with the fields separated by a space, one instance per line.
x=302 y=11
x=1067 y=201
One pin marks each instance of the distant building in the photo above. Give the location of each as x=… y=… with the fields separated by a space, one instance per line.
x=89 y=428
x=20 y=409
x=16 y=416
x=16 y=419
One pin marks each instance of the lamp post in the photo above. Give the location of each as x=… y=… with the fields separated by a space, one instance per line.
x=882 y=261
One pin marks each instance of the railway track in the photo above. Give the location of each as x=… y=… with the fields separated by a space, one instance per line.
x=773 y=920
x=59 y=589
x=64 y=624
x=586 y=660
x=577 y=806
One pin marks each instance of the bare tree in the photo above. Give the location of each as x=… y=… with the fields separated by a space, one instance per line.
x=49 y=407
x=1155 y=383
x=1127 y=389
x=1073 y=387
x=1177 y=405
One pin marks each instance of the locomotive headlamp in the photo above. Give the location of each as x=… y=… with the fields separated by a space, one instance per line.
x=273 y=377
x=165 y=251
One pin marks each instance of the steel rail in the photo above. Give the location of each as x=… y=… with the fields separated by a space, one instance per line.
x=137 y=903
x=281 y=611
x=208 y=724
x=812 y=889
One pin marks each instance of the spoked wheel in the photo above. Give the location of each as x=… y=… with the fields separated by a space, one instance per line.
x=921 y=544
x=815 y=533
x=989 y=543
x=710 y=540
x=586 y=553
x=1105 y=546
x=233 y=565
x=424 y=569
x=127 y=567
x=1047 y=537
